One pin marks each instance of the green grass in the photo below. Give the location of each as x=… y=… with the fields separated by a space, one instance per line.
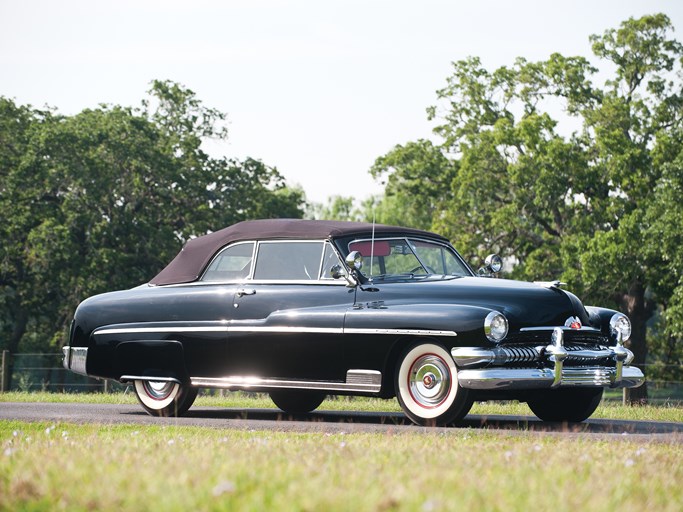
x=132 y=468
x=105 y=467
x=241 y=400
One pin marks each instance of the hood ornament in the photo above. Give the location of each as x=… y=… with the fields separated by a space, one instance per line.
x=550 y=284
x=573 y=322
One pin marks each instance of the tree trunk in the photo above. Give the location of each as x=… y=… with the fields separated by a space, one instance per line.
x=639 y=312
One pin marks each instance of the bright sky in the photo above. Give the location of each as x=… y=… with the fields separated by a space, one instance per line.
x=318 y=89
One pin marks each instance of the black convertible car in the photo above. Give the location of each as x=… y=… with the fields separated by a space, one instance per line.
x=302 y=309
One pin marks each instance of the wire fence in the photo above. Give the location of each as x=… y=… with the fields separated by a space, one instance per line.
x=44 y=372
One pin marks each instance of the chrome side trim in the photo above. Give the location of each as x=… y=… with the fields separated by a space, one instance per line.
x=545 y=378
x=409 y=332
x=138 y=330
x=282 y=329
x=225 y=329
x=315 y=330
x=129 y=378
x=363 y=381
x=365 y=377
x=75 y=359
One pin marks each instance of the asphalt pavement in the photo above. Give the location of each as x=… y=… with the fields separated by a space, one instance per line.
x=338 y=421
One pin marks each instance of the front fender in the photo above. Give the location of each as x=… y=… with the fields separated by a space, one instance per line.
x=599 y=318
x=466 y=322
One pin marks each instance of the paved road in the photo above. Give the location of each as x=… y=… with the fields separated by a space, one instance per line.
x=335 y=421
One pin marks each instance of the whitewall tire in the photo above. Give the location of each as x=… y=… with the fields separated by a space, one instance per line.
x=426 y=381
x=161 y=398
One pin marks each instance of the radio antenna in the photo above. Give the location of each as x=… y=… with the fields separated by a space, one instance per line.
x=372 y=242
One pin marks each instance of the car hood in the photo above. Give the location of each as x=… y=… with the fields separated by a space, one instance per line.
x=524 y=304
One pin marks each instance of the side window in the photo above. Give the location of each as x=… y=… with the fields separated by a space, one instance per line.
x=288 y=261
x=330 y=259
x=232 y=263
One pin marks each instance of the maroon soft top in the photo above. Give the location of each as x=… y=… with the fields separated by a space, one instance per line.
x=191 y=260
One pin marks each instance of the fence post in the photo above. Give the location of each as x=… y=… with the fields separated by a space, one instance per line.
x=4 y=374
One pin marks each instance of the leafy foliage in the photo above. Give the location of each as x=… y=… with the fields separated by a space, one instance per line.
x=104 y=199
x=595 y=204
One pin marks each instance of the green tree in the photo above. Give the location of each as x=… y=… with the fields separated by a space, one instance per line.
x=664 y=234
x=336 y=208
x=104 y=199
x=419 y=177
x=16 y=125
x=584 y=207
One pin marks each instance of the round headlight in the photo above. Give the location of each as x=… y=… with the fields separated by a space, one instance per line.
x=620 y=323
x=495 y=326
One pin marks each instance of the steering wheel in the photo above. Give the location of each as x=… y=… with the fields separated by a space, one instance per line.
x=429 y=270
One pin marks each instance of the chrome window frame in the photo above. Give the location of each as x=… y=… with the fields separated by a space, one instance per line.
x=340 y=261
x=200 y=279
x=319 y=280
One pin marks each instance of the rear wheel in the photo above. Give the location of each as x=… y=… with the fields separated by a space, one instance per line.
x=566 y=404
x=297 y=400
x=161 y=398
x=426 y=381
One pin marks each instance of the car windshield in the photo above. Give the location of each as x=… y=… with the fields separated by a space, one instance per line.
x=405 y=256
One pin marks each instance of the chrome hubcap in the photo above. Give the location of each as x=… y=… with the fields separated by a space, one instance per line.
x=158 y=390
x=429 y=380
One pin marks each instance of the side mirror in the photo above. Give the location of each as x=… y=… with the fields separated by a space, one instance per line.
x=337 y=272
x=354 y=260
x=492 y=265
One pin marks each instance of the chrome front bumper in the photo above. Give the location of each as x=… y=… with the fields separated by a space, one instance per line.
x=540 y=378
x=75 y=359
x=481 y=368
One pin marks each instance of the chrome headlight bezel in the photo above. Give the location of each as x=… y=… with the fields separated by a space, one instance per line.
x=620 y=323
x=495 y=326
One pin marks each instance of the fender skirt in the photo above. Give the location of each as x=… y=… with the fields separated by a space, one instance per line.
x=151 y=358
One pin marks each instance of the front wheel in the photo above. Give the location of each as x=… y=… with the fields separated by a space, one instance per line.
x=426 y=382
x=160 y=398
x=566 y=404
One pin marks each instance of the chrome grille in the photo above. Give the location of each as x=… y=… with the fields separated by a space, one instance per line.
x=578 y=355
x=570 y=337
x=520 y=354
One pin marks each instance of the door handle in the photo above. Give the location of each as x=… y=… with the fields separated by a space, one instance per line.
x=245 y=291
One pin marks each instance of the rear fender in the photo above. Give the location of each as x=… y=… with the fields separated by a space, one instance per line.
x=151 y=358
